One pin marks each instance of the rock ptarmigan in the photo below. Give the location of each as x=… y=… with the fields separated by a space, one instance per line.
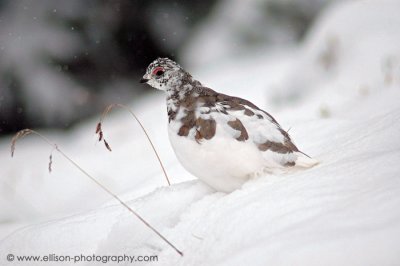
x=220 y=139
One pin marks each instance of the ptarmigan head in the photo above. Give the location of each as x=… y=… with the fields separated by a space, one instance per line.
x=161 y=72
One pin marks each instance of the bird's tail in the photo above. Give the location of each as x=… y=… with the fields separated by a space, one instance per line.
x=304 y=161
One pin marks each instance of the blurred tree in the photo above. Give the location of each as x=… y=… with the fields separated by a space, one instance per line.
x=237 y=27
x=61 y=61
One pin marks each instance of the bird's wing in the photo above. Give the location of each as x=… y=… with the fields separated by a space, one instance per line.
x=246 y=122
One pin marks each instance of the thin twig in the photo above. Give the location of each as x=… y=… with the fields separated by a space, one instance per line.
x=99 y=131
x=26 y=132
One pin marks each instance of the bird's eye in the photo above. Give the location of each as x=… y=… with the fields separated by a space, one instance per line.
x=158 y=71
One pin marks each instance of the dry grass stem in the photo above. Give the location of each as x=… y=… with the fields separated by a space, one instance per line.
x=99 y=131
x=25 y=132
x=50 y=161
x=20 y=134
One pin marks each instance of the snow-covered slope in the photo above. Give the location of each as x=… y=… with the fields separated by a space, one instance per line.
x=345 y=211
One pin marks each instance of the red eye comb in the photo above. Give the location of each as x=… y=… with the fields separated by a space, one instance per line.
x=158 y=69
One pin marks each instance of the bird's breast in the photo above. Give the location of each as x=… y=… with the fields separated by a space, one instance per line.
x=222 y=162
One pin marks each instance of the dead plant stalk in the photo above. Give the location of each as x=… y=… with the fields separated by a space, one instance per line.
x=25 y=132
x=99 y=131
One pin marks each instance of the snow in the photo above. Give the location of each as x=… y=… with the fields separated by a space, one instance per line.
x=345 y=211
x=236 y=26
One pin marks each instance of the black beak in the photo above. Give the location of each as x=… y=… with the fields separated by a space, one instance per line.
x=143 y=80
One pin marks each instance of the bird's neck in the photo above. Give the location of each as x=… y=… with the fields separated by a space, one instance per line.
x=180 y=92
